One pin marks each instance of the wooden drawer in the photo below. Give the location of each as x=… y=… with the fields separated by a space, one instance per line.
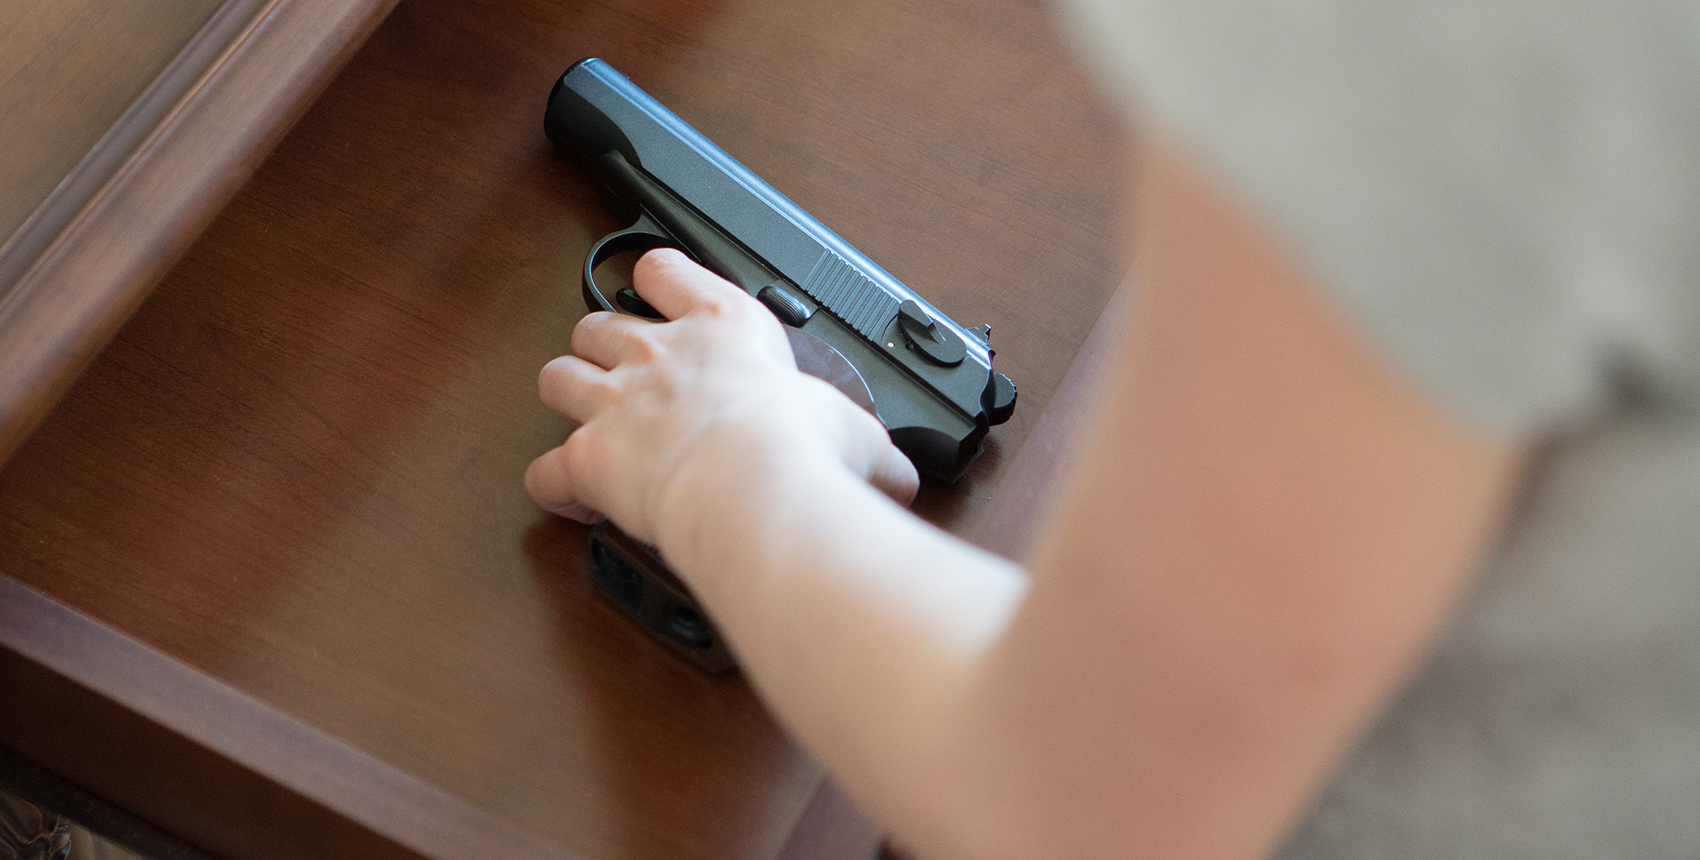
x=273 y=581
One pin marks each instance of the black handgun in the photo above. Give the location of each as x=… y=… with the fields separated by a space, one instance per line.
x=928 y=380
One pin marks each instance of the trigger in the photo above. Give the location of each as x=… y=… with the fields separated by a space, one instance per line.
x=632 y=303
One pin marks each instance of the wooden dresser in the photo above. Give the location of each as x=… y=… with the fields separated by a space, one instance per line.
x=270 y=580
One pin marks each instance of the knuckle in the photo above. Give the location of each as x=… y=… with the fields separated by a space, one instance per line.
x=603 y=389
x=645 y=346
x=579 y=452
x=711 y=305
x=733 y=305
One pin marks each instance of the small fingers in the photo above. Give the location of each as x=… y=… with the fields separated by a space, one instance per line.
x=893 y=474
x=574 y=387
x=549 y=483
x=674 y=284
x=606 y=339
x=866 y=446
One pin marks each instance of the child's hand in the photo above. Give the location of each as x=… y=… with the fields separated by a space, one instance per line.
x=674 y=416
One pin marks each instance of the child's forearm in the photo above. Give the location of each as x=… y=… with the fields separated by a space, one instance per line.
x=862 y=625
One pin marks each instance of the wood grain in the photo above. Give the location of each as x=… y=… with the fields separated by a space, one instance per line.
x=1013 y=517
x=68 y=70
x=153 y=182
x=200 y=758
x=64 y=125
x=296 y=470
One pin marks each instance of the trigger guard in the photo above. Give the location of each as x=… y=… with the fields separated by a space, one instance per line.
x=640 y=237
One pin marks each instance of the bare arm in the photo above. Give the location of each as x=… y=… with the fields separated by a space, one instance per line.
x=1263 y=530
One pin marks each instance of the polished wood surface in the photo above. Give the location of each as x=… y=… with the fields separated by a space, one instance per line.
x=1013 y=516
x=203 y=760
x=295 y=473
x=93 y=248
x=68 y=70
